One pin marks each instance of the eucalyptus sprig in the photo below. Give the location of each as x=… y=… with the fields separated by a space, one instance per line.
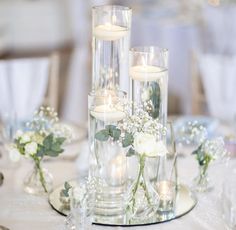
x=65 y=191
x=113 y=132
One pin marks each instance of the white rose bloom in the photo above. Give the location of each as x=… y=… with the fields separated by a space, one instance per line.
x=25 y=138
x=18 y=134
x=14 y=154
x=31 y=148
x=147 y=144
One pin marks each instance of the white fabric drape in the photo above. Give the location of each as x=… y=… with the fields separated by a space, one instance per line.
x=23 y=83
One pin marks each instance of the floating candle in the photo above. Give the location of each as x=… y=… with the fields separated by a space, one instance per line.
x=109 y=32
x=107 y=113
x=146 y=72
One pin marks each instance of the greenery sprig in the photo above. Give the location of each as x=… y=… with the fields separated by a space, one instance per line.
x=111 y=131
x=208 y=151
x=65 y=191
x=41 y=139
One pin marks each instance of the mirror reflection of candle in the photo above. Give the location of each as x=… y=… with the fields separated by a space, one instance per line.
x=116 y=171
x=109 y=111
x=166 y=192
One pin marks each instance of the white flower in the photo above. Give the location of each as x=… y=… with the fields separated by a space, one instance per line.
x=31 y=148
x=18 y=134
x=145 y=96
x=147 y=144
x=215 y=147
x=63 y=130
x=37 y=138
x=161 y=148
x=25 y=138
x=14 y=154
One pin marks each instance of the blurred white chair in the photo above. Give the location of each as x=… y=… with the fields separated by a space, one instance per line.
x=26 y=84
x=214 y=68
x=218 y=75
x=199 y=104
x=23 y=84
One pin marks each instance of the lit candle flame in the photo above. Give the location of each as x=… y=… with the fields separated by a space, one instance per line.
x=113 y=19
x=109 y=101
x=144 y=64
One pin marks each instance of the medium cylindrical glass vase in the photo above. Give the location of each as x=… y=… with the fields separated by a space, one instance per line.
x=111 y=37
x=149 y=80
x=107 y=156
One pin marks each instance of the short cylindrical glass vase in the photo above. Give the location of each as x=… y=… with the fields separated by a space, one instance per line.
x=149 y=80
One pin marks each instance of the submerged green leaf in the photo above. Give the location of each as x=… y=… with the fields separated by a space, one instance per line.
x=116 y=134
x=128 y=140
x=102 y=135
x=130 y=153
x=65 y=191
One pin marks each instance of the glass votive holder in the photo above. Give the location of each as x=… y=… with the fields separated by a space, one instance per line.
x=167 y=196
x=81 y=208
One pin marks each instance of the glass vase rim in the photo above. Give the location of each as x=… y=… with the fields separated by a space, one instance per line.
x=110 y=6
x=148 y=49
x=105 y=92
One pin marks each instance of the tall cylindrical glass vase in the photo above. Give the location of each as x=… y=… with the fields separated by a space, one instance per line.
x=111 y=37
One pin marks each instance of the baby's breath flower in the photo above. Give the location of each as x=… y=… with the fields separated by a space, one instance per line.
x=215 y=147
x=192 y=133
x=63 y=130
x=140 y=121
x=43 y=120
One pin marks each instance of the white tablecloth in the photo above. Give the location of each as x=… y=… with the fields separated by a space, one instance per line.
x=21 y=211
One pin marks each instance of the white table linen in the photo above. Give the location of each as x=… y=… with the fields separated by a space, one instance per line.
x=22 y=211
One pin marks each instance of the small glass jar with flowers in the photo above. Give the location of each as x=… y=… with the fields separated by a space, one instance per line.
x=43 y=137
